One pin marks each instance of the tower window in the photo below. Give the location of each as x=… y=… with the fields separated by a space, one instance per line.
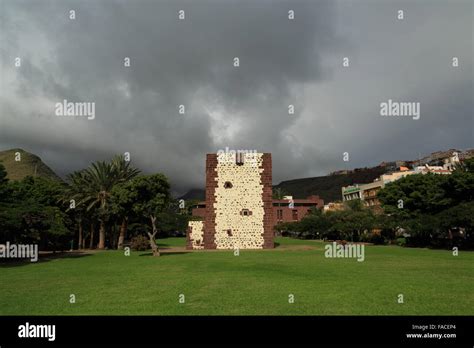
x=228 y=185
x=239 y=158
x=229 y=232
x=245 y=212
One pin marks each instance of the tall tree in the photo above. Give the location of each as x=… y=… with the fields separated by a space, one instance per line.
x=121 y=205
x=102 y=177
x=3 y=183
x=74 y=193
x=279 y=193
x=3 y=175
x=430 y=206
x=150 y=195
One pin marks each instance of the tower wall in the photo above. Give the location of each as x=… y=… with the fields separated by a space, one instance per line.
x=238 y=202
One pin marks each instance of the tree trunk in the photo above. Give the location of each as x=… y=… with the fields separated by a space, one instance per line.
x=123 y=232
x=153 y=245
x=91 y=243
x=83 y=246
x=113 y=235
x=102 y=235
x=79 y=245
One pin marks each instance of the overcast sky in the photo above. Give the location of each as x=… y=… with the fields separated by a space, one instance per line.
x=190 y=62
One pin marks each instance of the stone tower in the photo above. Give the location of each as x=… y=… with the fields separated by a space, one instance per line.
x=238 y=203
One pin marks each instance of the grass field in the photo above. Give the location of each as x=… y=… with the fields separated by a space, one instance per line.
x=433 y=282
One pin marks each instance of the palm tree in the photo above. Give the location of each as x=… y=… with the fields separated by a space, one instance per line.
x=126 y=173
x=101 y=178
x=279 y=193
x=75 y=189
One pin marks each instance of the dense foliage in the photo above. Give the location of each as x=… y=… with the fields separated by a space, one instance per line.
x=94 y=208
x=418 y=210
x=30 y=212
x=433 y=210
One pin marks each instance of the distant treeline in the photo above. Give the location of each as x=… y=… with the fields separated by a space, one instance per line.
x=101 y=206
x=418 y=210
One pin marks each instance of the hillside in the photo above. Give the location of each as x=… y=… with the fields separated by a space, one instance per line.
x=194 y=194
x=30 y=164
x=329 y=187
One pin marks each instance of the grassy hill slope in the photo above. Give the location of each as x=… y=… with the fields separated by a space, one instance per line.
x=29 y=164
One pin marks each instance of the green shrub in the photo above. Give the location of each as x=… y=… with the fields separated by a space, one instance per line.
x=401 y=241
x=140 y=243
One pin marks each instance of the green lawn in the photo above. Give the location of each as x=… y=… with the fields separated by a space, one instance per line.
x=433 y=282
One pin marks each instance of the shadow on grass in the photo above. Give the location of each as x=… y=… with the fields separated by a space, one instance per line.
x=166 y=253
x=276 y=244
x=8 y=263
x=165 y=245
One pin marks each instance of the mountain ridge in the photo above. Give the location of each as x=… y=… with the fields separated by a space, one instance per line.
x=28 y=165
x=328 y=187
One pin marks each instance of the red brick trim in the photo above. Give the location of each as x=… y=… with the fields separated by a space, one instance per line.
x=266 y=180
x=210 y=218
x=189 y=245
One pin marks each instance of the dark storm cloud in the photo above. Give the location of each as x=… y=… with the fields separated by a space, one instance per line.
x=189 y=62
